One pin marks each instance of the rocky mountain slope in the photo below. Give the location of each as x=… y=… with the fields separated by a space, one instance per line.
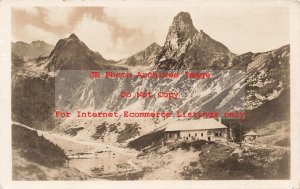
x=27 y=51
x=39 y=157
x=72 y=54
x=145 y=57
x=254 y=82
x=188 y=48
x=33 y=82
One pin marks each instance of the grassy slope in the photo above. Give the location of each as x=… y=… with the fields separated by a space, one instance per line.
x=214 y=161
x=36 y=158
x=153 y=139
x=26 y=171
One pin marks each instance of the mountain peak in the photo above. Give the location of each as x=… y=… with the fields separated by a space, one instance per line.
x=153 y=45
x=31 y=50
x=145 y=57
x=180 y=31
x=187 y=48
x=38 y=42
x=183 y=26
x=183 y=17
x=72 y=54
x=73 y=36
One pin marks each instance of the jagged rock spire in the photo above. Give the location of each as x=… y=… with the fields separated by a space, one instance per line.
x=187 y=48
x=182 y=23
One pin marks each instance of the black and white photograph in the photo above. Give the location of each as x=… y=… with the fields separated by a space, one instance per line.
x=162 y=92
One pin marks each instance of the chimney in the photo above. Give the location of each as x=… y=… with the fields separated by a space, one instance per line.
x=220 y=119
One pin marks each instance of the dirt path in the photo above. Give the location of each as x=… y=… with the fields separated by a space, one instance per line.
x=60 y=139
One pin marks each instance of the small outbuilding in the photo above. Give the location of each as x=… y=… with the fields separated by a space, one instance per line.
x=250 y=136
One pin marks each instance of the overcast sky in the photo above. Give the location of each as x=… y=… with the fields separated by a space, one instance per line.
x=119 y=32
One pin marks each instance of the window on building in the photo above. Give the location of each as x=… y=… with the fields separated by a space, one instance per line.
x=189 y=135
x=195 y=134
x=218 y=133
x=202 y=134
